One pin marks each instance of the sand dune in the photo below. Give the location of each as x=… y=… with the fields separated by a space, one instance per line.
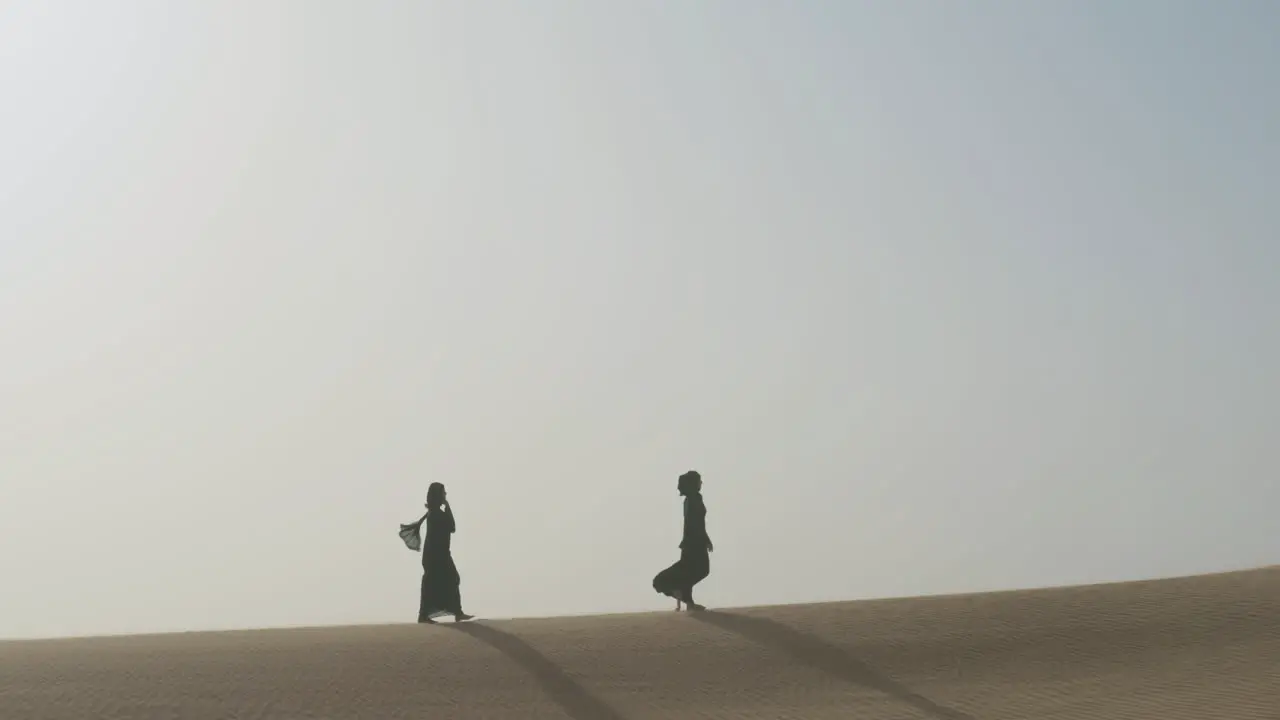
x=1197 y=648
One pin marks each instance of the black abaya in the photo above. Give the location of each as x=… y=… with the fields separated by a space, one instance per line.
x=694 y=565
x=441 y=583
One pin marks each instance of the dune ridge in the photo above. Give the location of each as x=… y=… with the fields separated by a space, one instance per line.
x=1202 y=647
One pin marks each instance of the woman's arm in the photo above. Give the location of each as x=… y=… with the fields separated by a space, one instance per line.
x=710 y=546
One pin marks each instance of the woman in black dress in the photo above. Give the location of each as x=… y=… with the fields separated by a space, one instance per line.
x=440 y=579
x=694 y=565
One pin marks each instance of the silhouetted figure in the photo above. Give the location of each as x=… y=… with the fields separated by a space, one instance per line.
x=694 y=565
x=440 y=580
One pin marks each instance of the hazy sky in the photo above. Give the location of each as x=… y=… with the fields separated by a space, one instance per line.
x=937 y=296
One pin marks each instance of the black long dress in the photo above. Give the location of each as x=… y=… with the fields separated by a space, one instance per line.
x=440 y=580
x=694 y=564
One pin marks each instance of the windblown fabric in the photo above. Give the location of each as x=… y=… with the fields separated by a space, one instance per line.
x=411 y=534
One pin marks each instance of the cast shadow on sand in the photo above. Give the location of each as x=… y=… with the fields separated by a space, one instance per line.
x=576 y=701
x=825 y=657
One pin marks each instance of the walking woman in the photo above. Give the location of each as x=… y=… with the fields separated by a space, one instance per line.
x=694 y=565
x=440 y=579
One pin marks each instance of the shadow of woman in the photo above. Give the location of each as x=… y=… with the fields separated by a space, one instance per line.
x=577 y=702
x=825 y=657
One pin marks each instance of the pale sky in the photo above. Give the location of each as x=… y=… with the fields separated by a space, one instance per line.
x=937 y=296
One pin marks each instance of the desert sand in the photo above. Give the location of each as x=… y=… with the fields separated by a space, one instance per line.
x=1195 y=648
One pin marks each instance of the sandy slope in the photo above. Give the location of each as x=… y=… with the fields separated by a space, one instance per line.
x=1199 y=648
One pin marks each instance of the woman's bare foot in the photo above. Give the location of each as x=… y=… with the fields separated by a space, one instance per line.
x=694 y=607
x=427 y=621
x=461 y=616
